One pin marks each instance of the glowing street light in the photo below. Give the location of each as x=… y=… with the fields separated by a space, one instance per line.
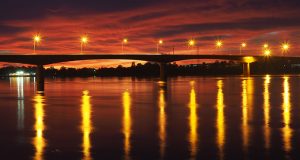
x=124 y=41
x=160 y=42
x=36 y=40
x=219 y=43
x=267 y=52
x=191 y=43
x=266 y=46
x=285 y=47
x=243 y=45
x=83 y=41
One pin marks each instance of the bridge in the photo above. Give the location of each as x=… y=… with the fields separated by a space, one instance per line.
x=162 y=59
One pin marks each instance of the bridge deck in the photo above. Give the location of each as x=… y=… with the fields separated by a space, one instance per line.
x=50 y=59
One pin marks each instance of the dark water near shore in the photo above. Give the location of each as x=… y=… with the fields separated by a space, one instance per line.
x=124 y=118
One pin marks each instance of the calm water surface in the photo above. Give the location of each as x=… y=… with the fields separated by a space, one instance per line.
x=126 y=118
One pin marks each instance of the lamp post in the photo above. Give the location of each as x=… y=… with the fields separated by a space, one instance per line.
x=285 y=46
x=192 y=43
x=36 y=40
x=267 y=52
x=83 y=41
x=160 y=42
x=266 y=46
x=219 y=44
x=124 y=41
x=243 y=45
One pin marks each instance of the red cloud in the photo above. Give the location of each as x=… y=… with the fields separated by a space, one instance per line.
x=144 y=25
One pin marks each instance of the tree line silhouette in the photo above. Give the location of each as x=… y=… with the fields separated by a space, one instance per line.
x=152 y=69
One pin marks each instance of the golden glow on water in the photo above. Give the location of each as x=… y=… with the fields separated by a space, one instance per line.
x=127 y=122
x=247 y=102
x=162 y=121
x=267 y=132
x=193 y=122
x=220 y=122
x=86 y=124
x=286 y=107
x=39 y=127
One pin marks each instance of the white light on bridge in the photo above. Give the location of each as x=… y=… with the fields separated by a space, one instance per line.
x=20 y=74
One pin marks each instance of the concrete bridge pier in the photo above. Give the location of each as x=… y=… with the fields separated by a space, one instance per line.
x=163 y=71
x=40 y=86
x=246 y=69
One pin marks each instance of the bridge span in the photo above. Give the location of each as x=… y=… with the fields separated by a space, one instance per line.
x=45 y=59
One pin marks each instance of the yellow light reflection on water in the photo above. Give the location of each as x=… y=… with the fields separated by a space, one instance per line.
x=220 y=122
x=86 y=124
x=286 y=107
x=267 y=132
x=162 y=121
x=193 y=122
x=127 y=122
x=247 y=102
x=39 y=127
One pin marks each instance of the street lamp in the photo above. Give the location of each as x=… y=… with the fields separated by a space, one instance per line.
x=36 y=40
x=267 y=52
x=219 y=43
x=83 y=41
x=192 y=43
x=266 y=46
x=285 y=47
x=124 y=41
x=160 y=42
x=243 y=45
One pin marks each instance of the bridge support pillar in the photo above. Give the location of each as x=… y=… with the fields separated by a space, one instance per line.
x=246 y=69
x=40 y=78
x=163 y=71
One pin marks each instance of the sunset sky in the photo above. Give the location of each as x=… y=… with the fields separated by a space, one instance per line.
x=144 y=22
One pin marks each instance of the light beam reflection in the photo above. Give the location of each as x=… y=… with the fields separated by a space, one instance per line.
x=39 y=127
x=286 y=107
x=20 y=90
x=247 y=102
x=193 y=122
x=86 y=125
x=267 y=132
x=220 y=122
x=162 y=121
x=127 y=122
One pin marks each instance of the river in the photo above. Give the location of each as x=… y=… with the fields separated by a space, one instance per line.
x=232 y=117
